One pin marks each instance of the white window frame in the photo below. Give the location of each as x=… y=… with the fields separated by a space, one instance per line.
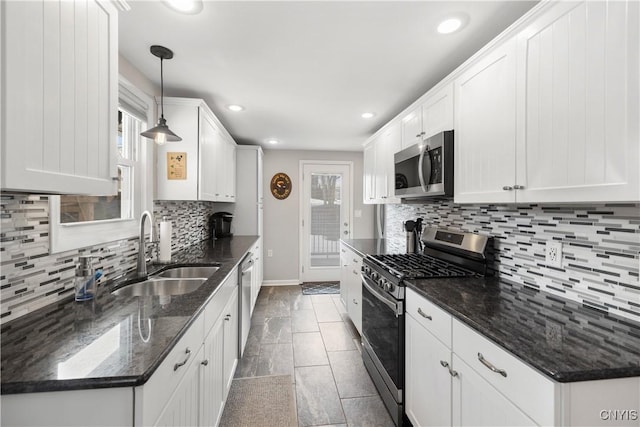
x=65 y=237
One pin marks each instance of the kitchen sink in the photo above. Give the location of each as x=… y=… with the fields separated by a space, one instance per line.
x=198 y=271
x=160 y=287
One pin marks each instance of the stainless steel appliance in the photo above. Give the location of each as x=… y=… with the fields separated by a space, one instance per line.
x=446 y=254
x=244 y=300
x=425 y=169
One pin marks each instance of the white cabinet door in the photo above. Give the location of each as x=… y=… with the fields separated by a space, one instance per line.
x=60 y=96
x=212 y=376
x=411 y=127
x=354 y=300
x=257 y=274
x=428 y=382
x=368 y=192
x=209 y=137
x=344 y=273
x=183 y=409
x=578 y=95
x=477 y=403
x=387 y=145
x=437 y=111
x=230 y=326
x=485 y=125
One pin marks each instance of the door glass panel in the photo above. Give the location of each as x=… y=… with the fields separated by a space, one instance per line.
x=324 y=239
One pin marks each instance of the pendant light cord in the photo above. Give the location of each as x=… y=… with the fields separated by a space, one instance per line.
x=161 y=90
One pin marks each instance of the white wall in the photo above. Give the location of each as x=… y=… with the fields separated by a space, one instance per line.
x=282 y=217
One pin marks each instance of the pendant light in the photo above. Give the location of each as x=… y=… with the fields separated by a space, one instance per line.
x=161 y=132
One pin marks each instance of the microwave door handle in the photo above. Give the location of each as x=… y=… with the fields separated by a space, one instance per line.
x=421 y=174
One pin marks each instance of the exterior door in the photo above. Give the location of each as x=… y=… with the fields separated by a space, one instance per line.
x=325 y=218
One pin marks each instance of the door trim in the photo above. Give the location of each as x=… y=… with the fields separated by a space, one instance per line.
x=302 y=164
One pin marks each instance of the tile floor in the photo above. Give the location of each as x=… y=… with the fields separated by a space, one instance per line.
x=311 y=338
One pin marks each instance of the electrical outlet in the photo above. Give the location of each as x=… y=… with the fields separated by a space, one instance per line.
x=553 y=254
x=269 y=253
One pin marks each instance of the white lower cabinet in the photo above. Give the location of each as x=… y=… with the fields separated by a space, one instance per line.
x=454 y=376
x=190 y=387
x=427 y=382
x=476 y=403
x=351 y=285
x=256 y=275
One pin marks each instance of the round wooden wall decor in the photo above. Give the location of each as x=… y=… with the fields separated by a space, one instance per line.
x=281 y=186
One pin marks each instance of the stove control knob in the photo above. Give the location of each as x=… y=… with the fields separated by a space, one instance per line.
x=375 y=276
x=388 y=286
x=366 y=269
x=381 y=282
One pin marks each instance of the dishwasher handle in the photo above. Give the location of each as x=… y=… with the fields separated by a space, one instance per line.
x=247 y=264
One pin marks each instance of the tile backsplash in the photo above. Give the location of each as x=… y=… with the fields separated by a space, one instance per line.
x=601 y=246
x=31 y=278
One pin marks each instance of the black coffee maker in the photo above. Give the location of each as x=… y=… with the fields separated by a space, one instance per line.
x=220 y=224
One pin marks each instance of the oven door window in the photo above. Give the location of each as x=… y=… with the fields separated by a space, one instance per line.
x=385 y=333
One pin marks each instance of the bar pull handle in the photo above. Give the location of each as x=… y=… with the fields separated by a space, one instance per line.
x=178 y=365
x=423 y=314
x=489 y=365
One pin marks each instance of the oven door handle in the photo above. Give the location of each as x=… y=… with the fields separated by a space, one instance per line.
x=394 y=305
x=424 y=153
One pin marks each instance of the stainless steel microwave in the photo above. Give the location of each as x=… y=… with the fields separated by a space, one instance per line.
x=425 y=169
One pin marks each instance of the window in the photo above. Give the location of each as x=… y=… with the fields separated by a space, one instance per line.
x=79 y=221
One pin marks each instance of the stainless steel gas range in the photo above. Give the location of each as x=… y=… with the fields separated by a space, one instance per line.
x=446 y=254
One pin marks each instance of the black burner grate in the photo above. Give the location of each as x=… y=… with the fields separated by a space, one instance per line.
x=420 y=266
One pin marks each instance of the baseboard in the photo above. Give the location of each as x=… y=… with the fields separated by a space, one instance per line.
x=280 y=282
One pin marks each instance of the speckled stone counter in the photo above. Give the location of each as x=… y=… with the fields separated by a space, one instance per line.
x=367 y=246
x=591 y=345
x=113 y=341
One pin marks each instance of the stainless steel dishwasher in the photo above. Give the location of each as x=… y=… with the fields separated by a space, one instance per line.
x=244 y=300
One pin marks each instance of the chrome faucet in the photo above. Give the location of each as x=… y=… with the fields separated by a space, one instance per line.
x=142 y=250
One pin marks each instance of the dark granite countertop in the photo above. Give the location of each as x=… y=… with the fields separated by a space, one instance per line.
x=367 y=246
x=69 y=345
x=562 y=339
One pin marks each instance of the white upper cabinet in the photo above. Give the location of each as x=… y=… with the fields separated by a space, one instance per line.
x=59 y=96
x=485 y=128
x=578 y=67
x=369 y=180
x=386 y=145
x=203 y=165
x=433 y=115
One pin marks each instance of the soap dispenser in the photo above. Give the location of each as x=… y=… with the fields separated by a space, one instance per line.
x=86 y=279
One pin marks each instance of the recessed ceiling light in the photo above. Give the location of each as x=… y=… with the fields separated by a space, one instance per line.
x=272 y=141
x=235 y=107
x=449 y=26
x=368 y=115
x=185 y=6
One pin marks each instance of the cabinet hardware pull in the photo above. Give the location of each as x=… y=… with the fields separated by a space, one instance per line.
x=507 y=188
x=227 y=317
x=451 y=371
x=518 y=187
x=489 y=365
x=423 y=314
x=355 y=272
x=177 y=365
x=205 y=362
x=418 y=136
x=355 y=302
x=116 y=178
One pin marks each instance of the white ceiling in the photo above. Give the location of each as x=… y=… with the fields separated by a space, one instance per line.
x=305 y=70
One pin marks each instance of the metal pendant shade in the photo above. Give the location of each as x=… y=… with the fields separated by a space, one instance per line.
x=161 y=132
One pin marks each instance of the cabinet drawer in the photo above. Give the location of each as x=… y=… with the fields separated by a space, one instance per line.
x=436 y=320
x=156 y=392
x=533 y=393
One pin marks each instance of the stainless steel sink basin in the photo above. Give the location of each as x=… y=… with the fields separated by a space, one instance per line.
x=198 y=271
x=160 y=287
